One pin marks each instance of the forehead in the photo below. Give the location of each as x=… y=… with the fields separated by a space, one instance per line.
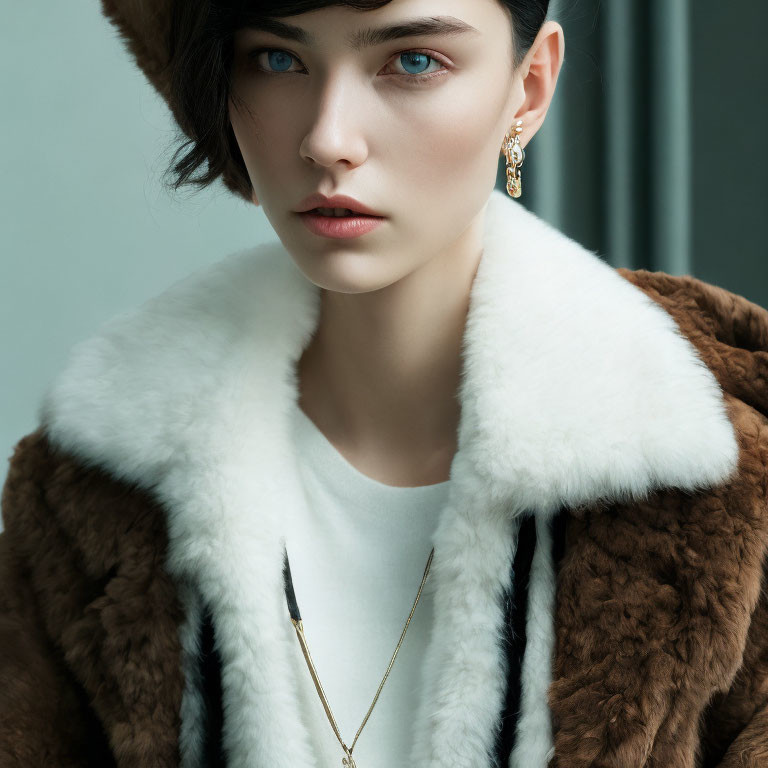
x=358 y=30
x=368 y=37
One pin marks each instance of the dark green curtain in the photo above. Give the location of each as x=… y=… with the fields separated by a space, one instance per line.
x=652 y=154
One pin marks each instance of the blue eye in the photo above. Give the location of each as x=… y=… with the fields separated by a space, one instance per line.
x=414 y=63
x=279 y=59
x=415 y=59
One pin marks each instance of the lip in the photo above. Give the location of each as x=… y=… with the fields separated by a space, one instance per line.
x=318 y=200
x=343 y=227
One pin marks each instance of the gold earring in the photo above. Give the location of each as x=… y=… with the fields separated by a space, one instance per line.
x=515 y=155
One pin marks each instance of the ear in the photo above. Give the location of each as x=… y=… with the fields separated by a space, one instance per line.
x=539 y=71
x=254 y=198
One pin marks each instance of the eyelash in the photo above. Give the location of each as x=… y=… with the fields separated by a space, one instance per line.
x=417 y=79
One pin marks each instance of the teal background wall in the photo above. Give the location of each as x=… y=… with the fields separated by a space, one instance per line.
x=653 y=151
x=651 y=155
x=86 y=228
x=729 y=88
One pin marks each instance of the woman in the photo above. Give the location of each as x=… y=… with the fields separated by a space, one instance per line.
x=515 y=497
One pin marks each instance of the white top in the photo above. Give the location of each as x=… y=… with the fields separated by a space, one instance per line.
x=357 y=554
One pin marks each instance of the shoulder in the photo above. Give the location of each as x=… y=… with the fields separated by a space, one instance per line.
x=115 y=412
x=728 y=331
x=705 y=307
x=730 y=336
x=62 y=512
x=129 y=393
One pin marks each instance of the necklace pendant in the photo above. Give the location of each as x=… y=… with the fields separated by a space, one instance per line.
x=348 y=761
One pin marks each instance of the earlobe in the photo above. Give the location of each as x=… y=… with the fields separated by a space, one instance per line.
x=254 y=198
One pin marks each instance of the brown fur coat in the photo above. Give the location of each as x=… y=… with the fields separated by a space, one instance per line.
x=660 y=613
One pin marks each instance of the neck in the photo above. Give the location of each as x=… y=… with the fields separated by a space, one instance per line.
x=380 y=376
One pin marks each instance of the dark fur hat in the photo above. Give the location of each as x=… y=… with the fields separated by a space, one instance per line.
x=145 y=28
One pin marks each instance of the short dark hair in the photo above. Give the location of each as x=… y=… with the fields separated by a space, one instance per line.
x=201 y=48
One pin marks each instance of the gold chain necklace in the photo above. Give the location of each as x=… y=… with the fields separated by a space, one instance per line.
x=347 y=760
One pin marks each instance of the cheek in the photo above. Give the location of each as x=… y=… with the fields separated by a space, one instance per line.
x=449 y=138
x=443 y=161
x=264 y=143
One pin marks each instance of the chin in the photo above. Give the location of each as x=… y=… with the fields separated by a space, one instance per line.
x=348 y=284
x=331 y=274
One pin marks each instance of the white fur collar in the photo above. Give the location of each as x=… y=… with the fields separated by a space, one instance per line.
x=576 y=386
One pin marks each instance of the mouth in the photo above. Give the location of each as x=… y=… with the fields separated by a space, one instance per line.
x=339 y=222
x=339 y=213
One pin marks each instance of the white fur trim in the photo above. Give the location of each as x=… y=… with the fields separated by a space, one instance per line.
x=576 y=386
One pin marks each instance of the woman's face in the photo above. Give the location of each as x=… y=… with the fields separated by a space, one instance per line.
x=411 y=127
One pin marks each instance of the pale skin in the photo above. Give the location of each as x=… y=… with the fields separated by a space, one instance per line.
x=380 y=376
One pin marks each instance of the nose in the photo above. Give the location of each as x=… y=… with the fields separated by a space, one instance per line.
x=338 y=125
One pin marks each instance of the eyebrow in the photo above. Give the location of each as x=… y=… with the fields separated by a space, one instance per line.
x=366 y=38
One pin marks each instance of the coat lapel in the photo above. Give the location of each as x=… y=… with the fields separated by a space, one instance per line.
x=576 y=389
